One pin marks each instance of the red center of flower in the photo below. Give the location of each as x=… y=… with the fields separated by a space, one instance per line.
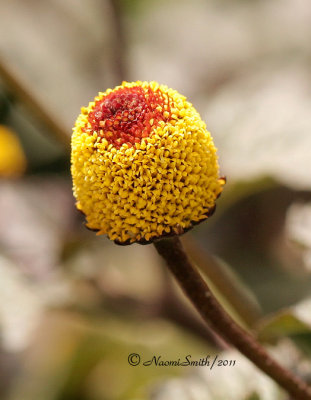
x=128 y=115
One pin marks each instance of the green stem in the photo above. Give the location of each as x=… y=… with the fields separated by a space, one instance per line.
x=212 y=312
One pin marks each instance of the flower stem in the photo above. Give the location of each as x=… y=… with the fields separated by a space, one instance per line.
x=212 y=312
x=225 y=281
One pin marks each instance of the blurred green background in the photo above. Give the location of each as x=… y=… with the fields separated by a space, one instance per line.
x=73 y=306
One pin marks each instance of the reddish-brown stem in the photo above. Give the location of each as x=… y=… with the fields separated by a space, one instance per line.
x=212 y=312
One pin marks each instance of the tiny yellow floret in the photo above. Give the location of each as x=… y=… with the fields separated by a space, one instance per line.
x=143 y=164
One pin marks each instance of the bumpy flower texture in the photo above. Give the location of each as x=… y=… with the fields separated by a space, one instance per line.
x=143 y=164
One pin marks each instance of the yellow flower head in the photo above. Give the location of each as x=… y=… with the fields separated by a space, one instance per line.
x=143 y=164
x=12 y=158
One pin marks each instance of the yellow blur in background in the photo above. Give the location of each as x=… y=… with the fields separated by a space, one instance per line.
x=12 y=157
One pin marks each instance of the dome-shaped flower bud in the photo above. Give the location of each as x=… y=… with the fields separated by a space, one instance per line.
x=143 y=164
x=12 y=157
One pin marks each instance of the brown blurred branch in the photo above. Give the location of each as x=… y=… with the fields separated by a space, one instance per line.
x=119 y=48
x=24 y=94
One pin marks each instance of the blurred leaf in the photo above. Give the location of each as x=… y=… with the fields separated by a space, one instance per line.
x=298 y=229
x=253 y=396
x=73 y=357
x=282 y=324
x=293 y=321
x=267 y=134
x=36 y=215
x=303 y=341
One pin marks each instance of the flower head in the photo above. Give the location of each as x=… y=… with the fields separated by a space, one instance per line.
x=12 y=158
x=143 y=163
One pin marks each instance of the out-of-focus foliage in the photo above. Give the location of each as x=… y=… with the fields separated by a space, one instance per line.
x=73 y=306
x=268 y=135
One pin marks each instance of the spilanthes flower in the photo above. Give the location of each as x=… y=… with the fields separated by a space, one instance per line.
x=12 y=158
x=143 y=164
